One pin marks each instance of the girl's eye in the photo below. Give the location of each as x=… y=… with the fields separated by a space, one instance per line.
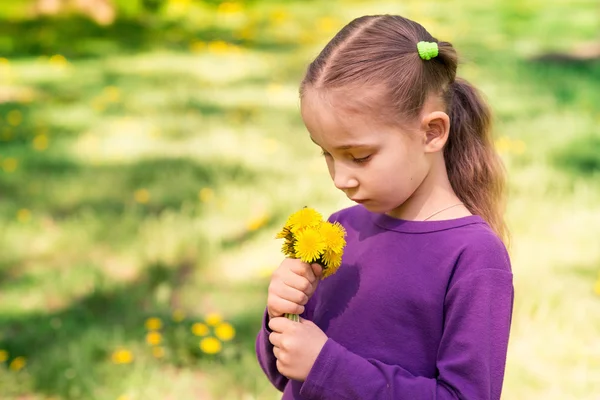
x=361 y=160
x=324 y=153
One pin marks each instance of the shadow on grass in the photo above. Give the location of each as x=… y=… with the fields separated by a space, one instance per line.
x=79 y=37
x=575 y=83
x=69 y=351
x=63 y=187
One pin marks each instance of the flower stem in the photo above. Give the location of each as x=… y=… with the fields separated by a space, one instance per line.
x=293 y=317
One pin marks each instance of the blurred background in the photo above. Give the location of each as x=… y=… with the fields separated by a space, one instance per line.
x=151 y=149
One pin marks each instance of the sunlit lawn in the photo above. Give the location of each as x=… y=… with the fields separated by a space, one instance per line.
x=149 y=183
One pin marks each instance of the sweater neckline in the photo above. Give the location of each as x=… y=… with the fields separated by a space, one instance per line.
x=408 y=226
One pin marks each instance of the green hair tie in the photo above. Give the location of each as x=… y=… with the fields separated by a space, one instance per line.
x=427 y=50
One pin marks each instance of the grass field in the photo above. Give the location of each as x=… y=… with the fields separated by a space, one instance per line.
x=145 y=168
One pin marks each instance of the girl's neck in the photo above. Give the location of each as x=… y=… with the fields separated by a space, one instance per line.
x=433 y=195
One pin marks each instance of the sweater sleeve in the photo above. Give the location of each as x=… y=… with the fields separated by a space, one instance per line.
x=471 y=357
x=264 y=348
x=266 y=358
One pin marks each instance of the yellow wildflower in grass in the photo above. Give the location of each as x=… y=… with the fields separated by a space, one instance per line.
x=279 y=16
x=18 y=363
x=153 y=338
x=258 y=222
x=122 y=356
x=309 y=245
x=229 y=8
x=200 y=329
x=14 y=117
x=304 y=218
x=9 y=164
x=219 y=47
x=158 y=352
x=58 y=60
x=328 y=24
x=333 y=235
x=112 y=93
x=153 y=324
x=40 y=142
x=3 y=355
x=597 y=287
x=142 y=196
x=197 y=46
x=206 y=195
x=213 y=319
x=178 y=315
x=210 y=345
x=225 y=331
x=23 y=215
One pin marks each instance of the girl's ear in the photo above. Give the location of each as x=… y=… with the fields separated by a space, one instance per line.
x=436 y=126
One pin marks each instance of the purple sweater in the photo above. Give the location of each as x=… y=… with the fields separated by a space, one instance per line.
x=418 y=310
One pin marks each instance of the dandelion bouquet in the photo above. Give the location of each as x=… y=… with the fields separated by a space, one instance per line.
x=311 y=239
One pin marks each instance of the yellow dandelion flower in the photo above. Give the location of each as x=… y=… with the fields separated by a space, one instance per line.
x=219 y=47
x=3 y=355
x=122 y=356
x=23 y=215
x=153 y=324
x=158 y=352
x=304 y=218
x=9 y=164
x=213 y=319
x=112 y=93
x=284 y=233
x=309 y=245
x=332 y=262
x=206 y=195
x=257 y=222
x=333 y=235
x=58 y=60
x=40 y=142
x=197 y=46
x=153 y=338
x=178 y=315
x=210 y=345
x=14 y=117
x=18 y=363
x=142 y=196
x=597 y=287
x=199 y=329
x=225 y=331
x=288 y=248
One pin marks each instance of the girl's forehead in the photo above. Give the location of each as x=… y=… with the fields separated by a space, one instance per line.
x=324 y=117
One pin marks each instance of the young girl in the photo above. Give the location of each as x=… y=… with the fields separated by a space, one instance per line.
x=421 y=306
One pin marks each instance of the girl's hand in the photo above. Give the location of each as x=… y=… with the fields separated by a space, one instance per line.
x=296 y=346
x=291 y=286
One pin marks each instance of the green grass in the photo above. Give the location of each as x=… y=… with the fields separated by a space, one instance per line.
x=149 y=171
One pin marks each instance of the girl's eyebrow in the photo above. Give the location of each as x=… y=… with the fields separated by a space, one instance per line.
x=345 y=146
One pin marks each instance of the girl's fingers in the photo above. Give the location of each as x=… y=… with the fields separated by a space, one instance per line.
x=282 y=306
x=294 y=295
x=298 y=282
x=275 y=339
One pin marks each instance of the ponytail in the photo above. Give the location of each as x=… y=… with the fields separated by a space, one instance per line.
x=475 y=170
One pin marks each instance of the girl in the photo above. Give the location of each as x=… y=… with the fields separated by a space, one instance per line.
x=421 y=306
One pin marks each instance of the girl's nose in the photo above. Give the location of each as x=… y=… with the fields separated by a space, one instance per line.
x=343 y=180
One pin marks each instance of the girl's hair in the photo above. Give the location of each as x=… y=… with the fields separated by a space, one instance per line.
x=380 y=51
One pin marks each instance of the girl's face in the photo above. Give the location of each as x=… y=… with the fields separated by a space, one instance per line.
x=377 y=166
